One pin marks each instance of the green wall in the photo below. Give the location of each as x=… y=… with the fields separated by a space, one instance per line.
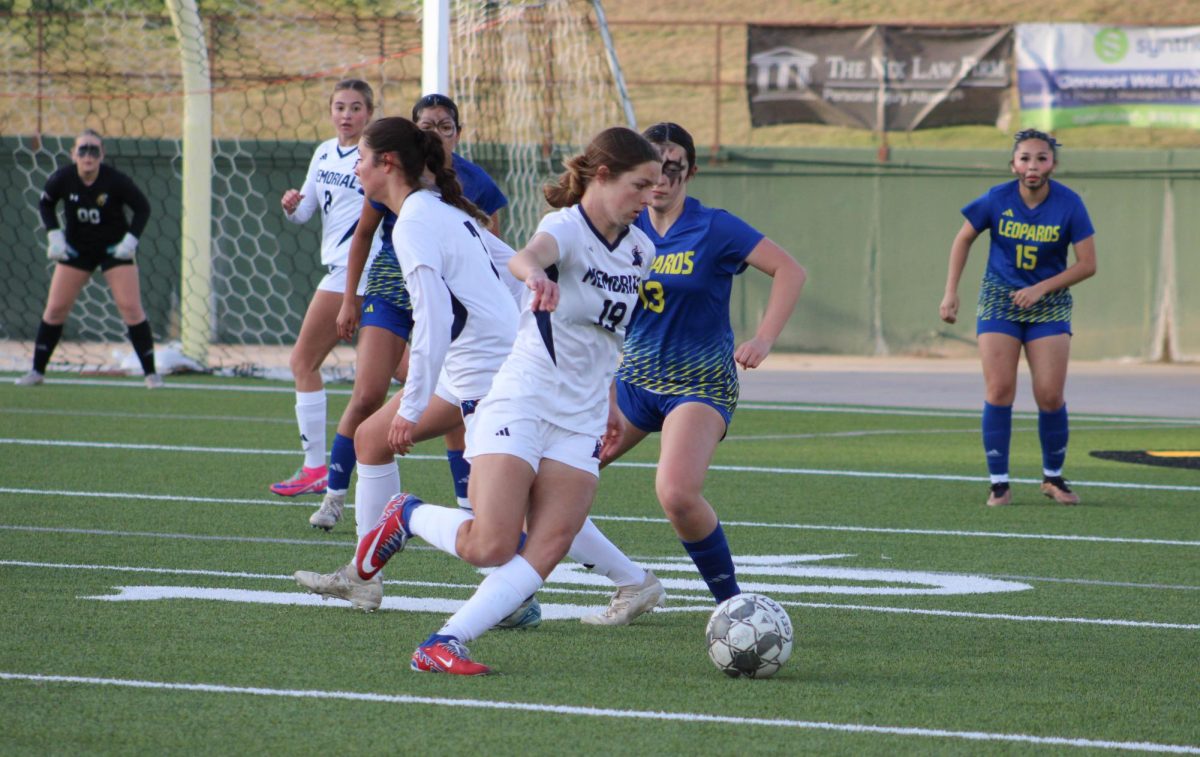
x=873 y=236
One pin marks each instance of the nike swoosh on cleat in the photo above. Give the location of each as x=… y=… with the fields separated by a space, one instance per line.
x=367 y=558
x=447 y=663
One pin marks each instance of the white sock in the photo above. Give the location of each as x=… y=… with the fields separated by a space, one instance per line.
x=464 y=503
x=376 y=485
x=501 y=592
x=593 y=548
x=310 y=416
x=439 y=525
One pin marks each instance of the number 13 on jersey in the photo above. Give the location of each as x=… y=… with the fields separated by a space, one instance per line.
x=651 y=294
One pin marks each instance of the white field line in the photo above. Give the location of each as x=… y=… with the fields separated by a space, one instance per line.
x=599 y=712
x=146 y=416
x=704 y=606
x=619 y=464
x=789 y=407
x=919 y=432
x=631 y=518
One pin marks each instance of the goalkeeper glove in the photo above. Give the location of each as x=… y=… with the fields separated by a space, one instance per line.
x=124 y=249
x=58 y=250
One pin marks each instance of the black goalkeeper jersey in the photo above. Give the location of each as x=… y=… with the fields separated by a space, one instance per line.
x=95 y=214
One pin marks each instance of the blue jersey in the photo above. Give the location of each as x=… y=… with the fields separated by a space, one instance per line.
x=1027 y=246
x=385 y=279
x=680 y=340
x=477 y=186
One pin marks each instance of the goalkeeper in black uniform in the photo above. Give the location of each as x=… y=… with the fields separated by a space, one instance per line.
x=97 y=235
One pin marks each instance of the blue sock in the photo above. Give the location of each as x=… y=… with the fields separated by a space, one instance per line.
x=460 y=471
x=715 y=563
x=434 y=638
x=1052 y=430
x=997 y=436
x=341 y=462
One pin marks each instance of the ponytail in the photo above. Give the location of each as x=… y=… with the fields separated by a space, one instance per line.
x=446 y=178
x=617 y=148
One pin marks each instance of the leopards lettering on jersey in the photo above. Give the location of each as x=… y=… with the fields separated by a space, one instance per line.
x=680 y=341
x=1029 y=245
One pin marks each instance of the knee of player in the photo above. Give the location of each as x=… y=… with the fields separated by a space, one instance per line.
x=486 y=550
x=1049 y=401
x=677 y=497
x=371 y=445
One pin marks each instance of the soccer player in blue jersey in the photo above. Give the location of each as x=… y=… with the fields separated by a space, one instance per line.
x=678 y=373
x=1025 y=302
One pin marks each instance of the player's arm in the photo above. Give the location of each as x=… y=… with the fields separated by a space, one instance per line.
x=57 y=248
x=360 y=250
x=137 y=202
x=530 y=264
x=959 y=249
x=432 y=321
x=787 y=281
x=299 y=205
x=1084 y=267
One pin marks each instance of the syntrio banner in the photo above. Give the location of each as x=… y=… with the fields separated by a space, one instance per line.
x=879 y=77
x=1084 y=74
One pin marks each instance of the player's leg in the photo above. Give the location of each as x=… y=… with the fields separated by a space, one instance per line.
x=377 y=353
x=460 y=469
x=999 y=353
x=318 y=336
x=65 y=285
x=689 y=439
x=638 y=590
x=1048 y=358
x=559 y=499
x=122 y=278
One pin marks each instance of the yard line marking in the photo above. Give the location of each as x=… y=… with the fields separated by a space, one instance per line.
x=601 y=712
x=904 y=432
x=642 y=519
x=619 y=464
x=924 y=413
x=789 y=407
x=705 y=606
x=146 y=416
x=188 y=537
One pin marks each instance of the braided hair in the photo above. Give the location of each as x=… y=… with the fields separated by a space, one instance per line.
x=1027 y=134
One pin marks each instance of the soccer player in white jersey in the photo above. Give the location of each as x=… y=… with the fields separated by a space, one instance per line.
x=331 y=188
x=535 y=442
x=464 y=316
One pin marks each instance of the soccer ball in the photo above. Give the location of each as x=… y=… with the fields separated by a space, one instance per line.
x=749 y=635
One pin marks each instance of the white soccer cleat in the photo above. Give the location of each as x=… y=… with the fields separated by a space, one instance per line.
x=329 y=514
x=344 y=583
x=154 y=381
x=33 y=378
x=630 y=602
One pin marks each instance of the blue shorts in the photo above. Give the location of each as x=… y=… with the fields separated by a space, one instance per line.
x=1024 y=332
x=382 y=313
x=647 y=410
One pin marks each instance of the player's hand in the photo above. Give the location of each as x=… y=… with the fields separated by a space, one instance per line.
x=400 y=435
x=948 y=310
x=614 y=430
x=125 y=249
x=57 y=248
x=347 y=320
x=545 y=292
x=1027 y=297
x=291 y=201
x=752 y=353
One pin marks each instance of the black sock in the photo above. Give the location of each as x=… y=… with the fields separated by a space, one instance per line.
x=47 y=339
x=143 y=345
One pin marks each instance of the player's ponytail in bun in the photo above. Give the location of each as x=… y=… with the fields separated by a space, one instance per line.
x=617 y=148
x=418 y=151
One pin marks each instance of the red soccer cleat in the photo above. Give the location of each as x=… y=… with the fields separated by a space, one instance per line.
x=448 y=656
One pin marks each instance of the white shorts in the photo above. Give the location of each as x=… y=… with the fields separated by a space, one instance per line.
x=503 y=427
x=335 y=281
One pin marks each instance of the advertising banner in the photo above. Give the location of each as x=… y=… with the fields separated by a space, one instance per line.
x=1084 y=74
x=879 y=77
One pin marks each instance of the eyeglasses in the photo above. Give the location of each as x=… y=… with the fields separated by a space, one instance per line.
x=85 y=150
x=446 y=128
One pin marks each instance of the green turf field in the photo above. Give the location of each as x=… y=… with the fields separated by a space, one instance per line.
x=148 y=604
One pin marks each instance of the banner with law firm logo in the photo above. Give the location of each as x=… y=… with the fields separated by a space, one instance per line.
x=882 y=78
x=1084 y=74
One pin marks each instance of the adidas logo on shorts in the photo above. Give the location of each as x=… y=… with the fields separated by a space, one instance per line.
x=503 y=432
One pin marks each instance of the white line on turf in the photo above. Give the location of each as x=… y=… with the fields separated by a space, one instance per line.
x=600 y=712
x=704 y=605
x=633 y=518
x=618 y=464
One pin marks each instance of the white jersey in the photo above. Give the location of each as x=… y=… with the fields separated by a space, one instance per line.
x=563 y=362
x=332 y=187
x=464 y=317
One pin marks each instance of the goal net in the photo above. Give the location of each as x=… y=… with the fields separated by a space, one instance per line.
x=531 y=80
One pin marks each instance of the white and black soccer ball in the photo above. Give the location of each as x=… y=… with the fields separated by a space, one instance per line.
x=749 y=635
